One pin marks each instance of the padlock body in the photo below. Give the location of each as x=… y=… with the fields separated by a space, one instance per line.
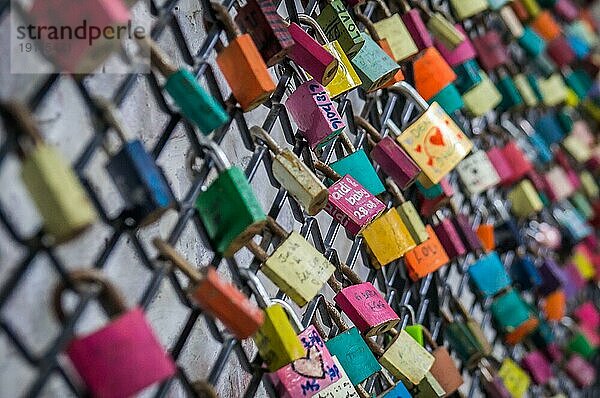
x=477 y=173
x=406 y=359
x=295 y=176
x=580 y=371
x=311 y=56
x=431 y=73
x=427 y=257
x=395 y=162
x=276 y=340
x=514 y=378
x=490 y=50
x=553 y=90
x=358 y=165
x=59 y=196
x=531 y=42
x=394 y=31
x=141 y=183
x=561 y=52
x=546 y=26
x=464 y=343
x=525 y=200
x=352 y=205
x=260 y=19
x=513 y=316
x=429 y=387
x=122 y=358
x=449 y=238
x=224 y=301
x=298 y=269
x=488 y=275
x=467 y=75
x=354 y=355
x=468 y=8
x=341 y=388
x=194 y=102
x=413 y=222
x=339 y=26
x=558 y=185
x=367 y=309
x=445 y=371
x=374 y=67
x=417 y=29
x=230 y=211
x=345 y=78
x=315 y=114
x=245 y=72
x=517 y=161
x=483 y=97
x=461 y=53
x=388 y=238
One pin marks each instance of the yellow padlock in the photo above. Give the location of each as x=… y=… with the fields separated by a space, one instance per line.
x=483 y=97
x=590 y=187
x=393 y=29
x=467 y=8
x=525 y=199
x=387 y=238
x=553 y=90
x=574 y=145
x=584 y=265
x=515 y=379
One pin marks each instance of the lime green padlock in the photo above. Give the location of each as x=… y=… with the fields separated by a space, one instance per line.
x=229 y=210
x=51 y=182
x=339 y=26
x=483 y=97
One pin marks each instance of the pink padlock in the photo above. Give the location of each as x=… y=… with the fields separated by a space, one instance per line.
x=464 y=52
x=558 y=184
x=307 y=375
x=449 y=237
x=581 y=129
x=517 y=160
x=417 y=29
x=580 y=371
x=567 y=10
x=554 y=353
x=560 y=51
x=123 y=357
x=587 y=314
x=312 y=56
x=315 y=114
x=501 y=165
x=490 y=50
x=363 y=304
x=538 y=367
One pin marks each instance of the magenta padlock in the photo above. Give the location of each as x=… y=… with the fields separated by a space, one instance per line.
x=467 y=233
x=395 y=162
x=567 y=10
x=315 y=114
x=123 y=357
x=560 y=51
x=538 y=367
x=363 y=304
x=580 y=371
x=449 y=238
x=501 y=165
x=554 y=353
x=352 y=205
x=490 y=50
x=587 y=314
x=312 y=56
x=464 y=52
x=417 y=29
x=517 y=160
x=314 y=372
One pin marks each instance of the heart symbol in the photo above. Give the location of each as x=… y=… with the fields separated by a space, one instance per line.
x=430 y=161
x=310 y=366
x=437 y=138
x=419 y=148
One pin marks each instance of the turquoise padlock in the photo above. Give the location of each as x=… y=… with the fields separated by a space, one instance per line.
x=510 y=93
x=513 y=316
x=497 y=4
x=467 y=75
x=448 y=98
x=358 y=165
x=533 y=83
x=488 y=275
x=374 y=67
x=579 y=46
x=431 y=192
x=531 y=42
x=578 y=85
x=549 y=129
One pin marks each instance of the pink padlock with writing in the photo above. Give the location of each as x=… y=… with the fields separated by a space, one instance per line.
x=538 y=367
x=123 y=357
x=364 y=305
x=315 y=114
x=310 y=374
x=464 y=52
x=587 y=314
x=501 y=165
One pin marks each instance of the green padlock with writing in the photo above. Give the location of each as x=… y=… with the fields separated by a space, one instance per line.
x=339 y=25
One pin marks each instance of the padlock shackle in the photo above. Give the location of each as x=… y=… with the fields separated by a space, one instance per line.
x=216 y=153
x=108 y=115
x=169 y=253
x=276 y=228
x=458 y=305
x=384 y=8
x=292 y=316
x=362 y=392
x=375 y=348
x=408 y=91
x=429 y=339
x=204 y=389
x=111 y=300
x=158 y=57
x=350 y=274
x=334 y=284
x=394 y=190
x=261 y=134
x=16 y=115
x=307 y=20
x=346 y=143
x=336 y=317
x=411 y=312
x=260 y=293
x=223 y=16
x=362 y=18
x=326 y=170
x=368 y=127
x=257 y=251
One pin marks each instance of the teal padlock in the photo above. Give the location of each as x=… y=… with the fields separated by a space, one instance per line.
x=374 y=67
x=582 y=205
x=513 y=317
x=352 y=351
x=535 y=87
x=511 y=97
x=531 y=42
x=229 y=210
x=467 y=75
x=449 y=99
x=497 y=4
x=565 y=119
x=489 y=275
x=430 y=192
x=358 y=165
x=577 y=84
x=193 y=101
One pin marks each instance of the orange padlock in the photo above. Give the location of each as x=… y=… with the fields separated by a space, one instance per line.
x=432 y=73
x=546 y=26
x=485 y=233
x=555 y=305
x=426 y=258
x=241 y=64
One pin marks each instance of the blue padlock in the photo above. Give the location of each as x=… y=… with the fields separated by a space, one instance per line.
x=549 y=129
x=525 y=273
x=579 y=46
x=488 y=275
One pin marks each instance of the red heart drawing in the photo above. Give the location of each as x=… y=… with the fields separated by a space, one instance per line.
x=437 y=138
x=418 y=148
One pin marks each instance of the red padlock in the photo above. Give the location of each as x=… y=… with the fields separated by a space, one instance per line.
x=123 y=357
x=490 y=50
x=517 y=160
x=560 y=51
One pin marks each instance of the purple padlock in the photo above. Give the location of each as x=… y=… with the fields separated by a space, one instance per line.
x=466 y=232
x=395 y=162
x=417 y=29
x=553 y=277
x=449 y=238
x=567 y=10
x=538 y=367
x=561 y=52
x=574 y=281
x=490 y=50
x=464 y=52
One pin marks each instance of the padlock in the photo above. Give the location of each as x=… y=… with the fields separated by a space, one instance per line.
x=573 y=225
x=414 y=329
x=426 y=258
x=467 y=8
x=228 y=208
x=349 y=203
x=433 y=140
x=343 y=387
x=511 y=97
x=260 y=19
x=546 y=26
x=583 y=30
x=345 y=78
x=194 y=103
x=472 y=325
x=216 y=296
x=560 y=51
x=489 y=275
x=408 y=214
x=374 y=66
x=524 y=272
x=518 y=161
x=558 y=184
x=431 y=73
x=444 y=368
x=357 y=164
x=549 y=128
x=295 y=266
x=555 y=305
x=513 y=317
x=241 y=64
x=315 y=114
x=525 y=199
x=448 y=236
x=483 y=97
x=394 y=390
x=525 y=90
x=416 y=26
x=363 y=304
x=577 y=148
x=574 y=281
x=553 y=90
x=459 y=54
x=514 y=378
x=462 y=341
x=392 y=159
x=542 y=149
x=520 y=10
x=477 y=173
x=387 y=238
x=449 y=99
x=581 y=344
x=588 y=315
x=580 y=371
x=467 y=75
x=578 y=46
x=72 y=54
x=490 y=50
x=492 y=383
x=121 y=358
x=466 y=232
x=552 y=275
x=511 y=21
x=506 y=232
x=54 y=187
x=501 y=164
x=429 y=387
x=485 y=233
x=139 y=180
x=350 y=348
x=589 y=185
x=277 y=338
x=394 y=31
x=531 y=42
x=311 y=56
x=339 y=26
x=293 y=175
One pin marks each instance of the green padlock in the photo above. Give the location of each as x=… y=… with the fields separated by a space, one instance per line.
x=374 y=67
x=462 y=341
x=193 y=101
x=229 y=210
x=511 y=97
x=467 y=75
x=53 y=185
x=580 y=344
x=449 y=99
x=339 y=25
x=513 y=317
x=414 y=329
